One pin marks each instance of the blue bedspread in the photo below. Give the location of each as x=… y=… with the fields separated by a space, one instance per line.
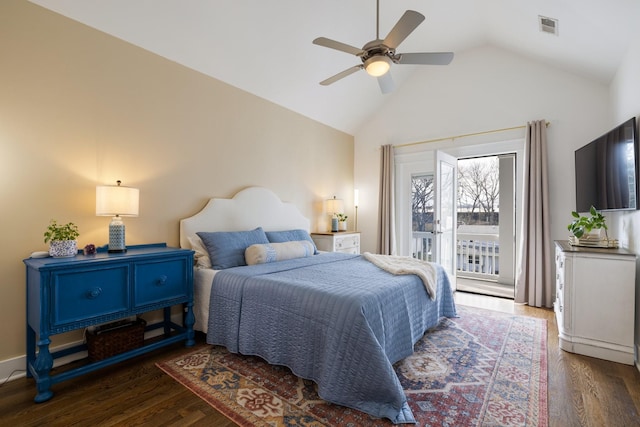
x=332 y=318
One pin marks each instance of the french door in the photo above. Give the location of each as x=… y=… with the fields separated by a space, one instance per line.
x=427 y=230
x=445 y=213
x=427 y=196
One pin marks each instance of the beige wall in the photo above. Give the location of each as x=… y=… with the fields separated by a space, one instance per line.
x=80 y=108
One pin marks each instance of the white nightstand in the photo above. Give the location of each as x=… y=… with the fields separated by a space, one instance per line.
x=339 y=241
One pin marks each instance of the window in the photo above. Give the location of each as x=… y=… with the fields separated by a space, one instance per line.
x=422 y=192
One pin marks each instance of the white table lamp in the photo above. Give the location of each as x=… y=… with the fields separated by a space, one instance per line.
x=117 y=201
x=334 y=207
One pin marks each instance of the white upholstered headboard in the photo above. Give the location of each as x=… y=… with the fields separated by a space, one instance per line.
x=250 y=208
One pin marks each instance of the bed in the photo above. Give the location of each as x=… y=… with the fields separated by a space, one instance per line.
x=333 y=318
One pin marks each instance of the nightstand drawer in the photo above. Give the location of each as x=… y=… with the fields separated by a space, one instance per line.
x=347 y=242
x=160 y=281
x=80 y=295
x=353 y=250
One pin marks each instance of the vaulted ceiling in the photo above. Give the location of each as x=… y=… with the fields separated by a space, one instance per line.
x=265 y=47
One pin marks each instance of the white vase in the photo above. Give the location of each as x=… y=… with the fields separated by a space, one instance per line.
x=342 y=226
x=63 y=248
x=596 y=234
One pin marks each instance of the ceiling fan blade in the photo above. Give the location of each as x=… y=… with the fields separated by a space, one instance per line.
x=426 y=58
x=341 y=75
x=386 y=83
x=332 y=44
x=405 y=26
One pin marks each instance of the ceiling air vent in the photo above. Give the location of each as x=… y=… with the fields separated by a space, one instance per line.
x=548 y=25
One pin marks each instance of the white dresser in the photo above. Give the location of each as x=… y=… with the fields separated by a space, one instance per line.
x=595 y=301
x=340 y=241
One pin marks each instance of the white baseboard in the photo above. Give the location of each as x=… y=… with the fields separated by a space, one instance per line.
x=14 y=368
x=11 y=369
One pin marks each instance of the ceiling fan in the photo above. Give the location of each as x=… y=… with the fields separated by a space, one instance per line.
x=378 y=55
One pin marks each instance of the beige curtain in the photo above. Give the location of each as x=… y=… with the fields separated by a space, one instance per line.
x=386 y=231
x=533 y=284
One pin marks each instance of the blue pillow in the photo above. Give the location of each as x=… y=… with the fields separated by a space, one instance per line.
x=226 y=248
x=290 y=236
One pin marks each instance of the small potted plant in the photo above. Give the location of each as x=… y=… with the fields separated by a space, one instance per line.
x=589 y=226
x=62 y=239
x=342 y=222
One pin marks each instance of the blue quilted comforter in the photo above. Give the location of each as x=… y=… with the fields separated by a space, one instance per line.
x=332 y=318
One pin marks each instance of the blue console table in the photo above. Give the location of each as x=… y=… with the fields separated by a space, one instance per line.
x=64 y=294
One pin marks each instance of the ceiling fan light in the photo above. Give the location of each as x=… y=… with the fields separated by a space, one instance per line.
x=377 y=66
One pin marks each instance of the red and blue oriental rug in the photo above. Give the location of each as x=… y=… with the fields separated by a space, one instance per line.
x=483 y=368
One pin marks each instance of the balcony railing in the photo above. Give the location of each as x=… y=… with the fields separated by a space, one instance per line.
x=478 y=255
x=422 y=245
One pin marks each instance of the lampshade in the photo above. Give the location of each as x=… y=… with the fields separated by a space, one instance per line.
x=117 y=201
x=335 y=206
x=378 y=65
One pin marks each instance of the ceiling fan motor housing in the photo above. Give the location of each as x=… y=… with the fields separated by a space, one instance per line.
x=376 y=48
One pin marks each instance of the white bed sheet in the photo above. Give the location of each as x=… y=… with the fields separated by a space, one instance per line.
x=202 y=281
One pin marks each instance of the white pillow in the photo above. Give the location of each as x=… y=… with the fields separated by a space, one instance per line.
x=201 y=256
x=272 y=252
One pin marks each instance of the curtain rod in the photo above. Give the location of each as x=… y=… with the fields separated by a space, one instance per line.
x=409 y=144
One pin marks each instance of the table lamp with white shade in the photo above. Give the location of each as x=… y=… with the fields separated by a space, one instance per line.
x=117 y=201
x=334 y=207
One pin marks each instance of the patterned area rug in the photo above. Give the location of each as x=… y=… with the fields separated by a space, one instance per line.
x=483 y=368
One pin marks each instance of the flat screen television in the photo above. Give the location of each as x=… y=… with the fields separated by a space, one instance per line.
x=607 y=170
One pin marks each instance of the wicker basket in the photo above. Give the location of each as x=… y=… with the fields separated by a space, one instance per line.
x=115 y=338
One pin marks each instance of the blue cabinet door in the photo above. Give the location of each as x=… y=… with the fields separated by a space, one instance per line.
x=158 y=281
x=89 y=293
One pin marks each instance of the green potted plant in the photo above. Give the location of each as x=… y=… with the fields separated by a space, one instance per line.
x=62 y=239
x=585 y=225
x=342 y=222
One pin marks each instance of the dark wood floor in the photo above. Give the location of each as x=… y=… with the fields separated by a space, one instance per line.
x=583 y=391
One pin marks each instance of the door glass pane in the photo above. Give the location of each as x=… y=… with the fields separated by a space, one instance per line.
x=422 y=217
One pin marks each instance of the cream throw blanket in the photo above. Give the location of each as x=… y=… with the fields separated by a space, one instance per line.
x=407 y=265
